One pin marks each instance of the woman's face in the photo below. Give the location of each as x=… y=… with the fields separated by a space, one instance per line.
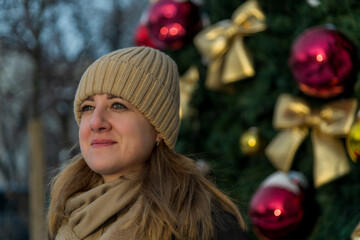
x=115 y=138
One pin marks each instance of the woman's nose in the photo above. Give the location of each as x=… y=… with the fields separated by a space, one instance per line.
x=99 y=121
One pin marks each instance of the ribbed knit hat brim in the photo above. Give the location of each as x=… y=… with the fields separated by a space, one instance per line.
x=143 y=76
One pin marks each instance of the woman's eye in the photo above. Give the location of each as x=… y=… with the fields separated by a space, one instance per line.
x=117 y=105
x=86 y=108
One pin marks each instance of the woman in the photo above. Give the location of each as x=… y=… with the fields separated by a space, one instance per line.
x=128 y=182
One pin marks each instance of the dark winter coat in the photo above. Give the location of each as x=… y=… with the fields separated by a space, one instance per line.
x=227 y=228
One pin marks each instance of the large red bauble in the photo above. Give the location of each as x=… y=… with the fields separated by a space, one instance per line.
x=323 y=62
x=141 y=36
x=173 y=24
x=276 y=208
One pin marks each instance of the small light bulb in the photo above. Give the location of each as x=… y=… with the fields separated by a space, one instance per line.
x=319 y=58
x=277 y=212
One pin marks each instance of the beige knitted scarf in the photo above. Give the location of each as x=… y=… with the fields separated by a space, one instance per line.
x=103 y=212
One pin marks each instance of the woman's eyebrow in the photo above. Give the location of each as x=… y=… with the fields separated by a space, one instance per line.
x=90 y=98
x=110 y=96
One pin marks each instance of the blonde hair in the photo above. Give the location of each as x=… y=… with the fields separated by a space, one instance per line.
x=178 y=201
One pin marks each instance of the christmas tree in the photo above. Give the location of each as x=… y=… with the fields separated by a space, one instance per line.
x=222 y=115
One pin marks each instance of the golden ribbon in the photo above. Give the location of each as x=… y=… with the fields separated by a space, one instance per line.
x=356 y=234
x=222 y=44
x=294 y=116
x=188 y=83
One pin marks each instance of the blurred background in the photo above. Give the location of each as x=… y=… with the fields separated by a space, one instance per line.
x=236 y=58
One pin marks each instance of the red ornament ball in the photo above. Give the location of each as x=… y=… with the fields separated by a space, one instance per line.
x=173 y=24
x=323 y=62
x=142 y=36
x=276 y=208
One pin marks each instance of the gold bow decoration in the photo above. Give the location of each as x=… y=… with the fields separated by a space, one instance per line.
x=356 y=234
x=295 y=117
x=222 y=45
x=188 y=84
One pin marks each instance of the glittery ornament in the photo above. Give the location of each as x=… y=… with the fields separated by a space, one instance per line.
x=277 y=207
x=250 y=141
x=323 y=62
x=353 y=142
x=173 y=24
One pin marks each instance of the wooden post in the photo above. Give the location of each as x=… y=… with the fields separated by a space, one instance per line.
x=37 y=173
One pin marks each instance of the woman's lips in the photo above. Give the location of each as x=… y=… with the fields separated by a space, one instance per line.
x=97 y=143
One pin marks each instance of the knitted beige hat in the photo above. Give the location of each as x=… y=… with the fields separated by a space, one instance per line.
x=145 y=77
